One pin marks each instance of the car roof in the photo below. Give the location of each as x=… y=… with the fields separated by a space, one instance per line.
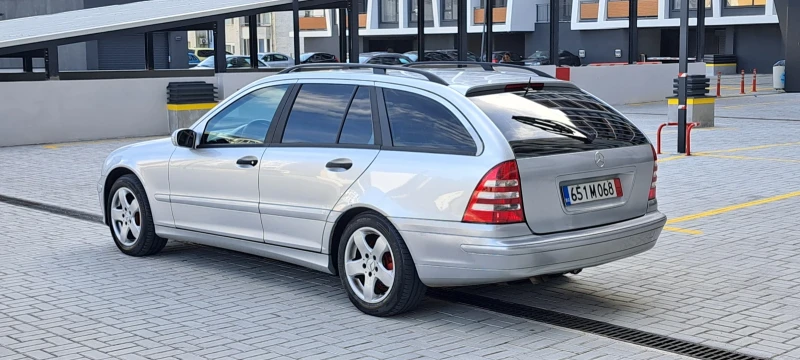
x=460 y=80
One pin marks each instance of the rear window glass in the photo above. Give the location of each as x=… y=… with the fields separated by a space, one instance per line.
x=572 y=108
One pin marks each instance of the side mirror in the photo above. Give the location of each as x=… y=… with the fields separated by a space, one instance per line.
x=184 y=138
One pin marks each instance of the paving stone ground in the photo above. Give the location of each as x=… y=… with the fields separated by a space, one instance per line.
x=730 y=279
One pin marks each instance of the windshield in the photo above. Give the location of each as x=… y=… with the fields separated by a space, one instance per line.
x=536 y=123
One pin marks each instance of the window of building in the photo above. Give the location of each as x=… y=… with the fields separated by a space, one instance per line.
x=449 y=10
x=743 y=3
x=228 y=21
x=428 y=10
x=245 y=47
x=362 y=6
x=420 y=122
x=676 y=4
x=261 y=45
x=246 y=120
x=317 y=113
x=264 y=19
x=230 y=48
x=389 y=11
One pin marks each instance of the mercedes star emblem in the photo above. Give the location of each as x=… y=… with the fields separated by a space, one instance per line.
x=599 y=159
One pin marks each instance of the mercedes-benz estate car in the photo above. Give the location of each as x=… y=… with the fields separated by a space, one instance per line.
x=396 y=179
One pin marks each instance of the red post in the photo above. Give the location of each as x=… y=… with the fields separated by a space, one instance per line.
x=719 y=83
x=742 y=91
x=755 y=89
x=689 y=128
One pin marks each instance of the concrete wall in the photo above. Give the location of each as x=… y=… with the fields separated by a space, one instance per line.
x=83 y=110
x=629 y=84
x=102 y=109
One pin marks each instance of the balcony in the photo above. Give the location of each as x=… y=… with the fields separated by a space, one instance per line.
x=588 y=10
x=313 y=23
x=498 y=15
x=618 y=9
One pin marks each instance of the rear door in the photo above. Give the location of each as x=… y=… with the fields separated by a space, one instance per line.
x=569 y=183
x=325 y=143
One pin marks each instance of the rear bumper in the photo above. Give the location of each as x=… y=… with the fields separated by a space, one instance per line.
x=450 y=254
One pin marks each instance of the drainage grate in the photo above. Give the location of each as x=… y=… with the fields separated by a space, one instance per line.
x=612 y=331
x=58 y=210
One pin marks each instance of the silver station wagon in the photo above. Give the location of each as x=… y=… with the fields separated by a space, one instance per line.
x=396 y=178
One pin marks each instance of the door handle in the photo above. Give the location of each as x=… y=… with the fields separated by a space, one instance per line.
x=344 y=164
x=247 y=161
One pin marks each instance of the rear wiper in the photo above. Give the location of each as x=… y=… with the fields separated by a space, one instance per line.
x=555 y=126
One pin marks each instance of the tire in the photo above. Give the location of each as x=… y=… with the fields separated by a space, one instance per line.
x=406 y=291
x=129 y=189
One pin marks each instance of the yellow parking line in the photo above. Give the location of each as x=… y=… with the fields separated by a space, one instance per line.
x=671 y=158
x=751 y=104
x=732 y=208
x=683 y=231
x=736 y=157
x=758 y=147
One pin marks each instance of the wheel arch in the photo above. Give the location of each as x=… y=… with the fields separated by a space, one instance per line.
x=339 y=225
x=111 y=178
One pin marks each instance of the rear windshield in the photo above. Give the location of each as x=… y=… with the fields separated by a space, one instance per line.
x=570 y=107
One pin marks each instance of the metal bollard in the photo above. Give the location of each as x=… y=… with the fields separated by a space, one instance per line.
x=742 y=91
x=755 y=89
x=719 y=83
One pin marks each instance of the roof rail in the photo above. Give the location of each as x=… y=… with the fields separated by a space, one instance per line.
x=376 y=69
x=487 y=66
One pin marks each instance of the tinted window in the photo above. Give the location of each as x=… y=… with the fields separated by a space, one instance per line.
x=317 y=113
x=238 y=62
x=278 y=57
x=205 y=53
x=417 y=121
x=357 y=127
x=572 y=108
x=247 y=120
x=374 y=60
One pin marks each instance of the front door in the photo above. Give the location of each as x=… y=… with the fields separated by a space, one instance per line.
x=214 y=188
x=323 y=147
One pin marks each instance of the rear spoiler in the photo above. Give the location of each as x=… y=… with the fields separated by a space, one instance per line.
x=489 y=89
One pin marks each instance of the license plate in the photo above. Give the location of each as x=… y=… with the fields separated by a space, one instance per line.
x=593 y=191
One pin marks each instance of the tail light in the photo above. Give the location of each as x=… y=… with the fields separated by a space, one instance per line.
x=498 y=197
x=652 y=195
x=494 y=60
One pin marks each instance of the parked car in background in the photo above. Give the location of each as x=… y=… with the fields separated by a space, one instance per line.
x=497 y=56
x=193 y=60
x=234 y=62
x=396 y=181
x=384 y=58
x=430 y=56
x=542 y=57
x=203 y=53
x=274 y=59
x=318 y=57
x=454 y=54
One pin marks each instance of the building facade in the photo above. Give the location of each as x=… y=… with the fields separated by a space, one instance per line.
x=113 y=52
x=237 y=35
x=746 y=28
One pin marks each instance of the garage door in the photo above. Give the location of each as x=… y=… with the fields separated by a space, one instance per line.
x=126 y=52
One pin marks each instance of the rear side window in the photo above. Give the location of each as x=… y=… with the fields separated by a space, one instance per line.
x=205 y=53
x=419 y=122
x=569 y=107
